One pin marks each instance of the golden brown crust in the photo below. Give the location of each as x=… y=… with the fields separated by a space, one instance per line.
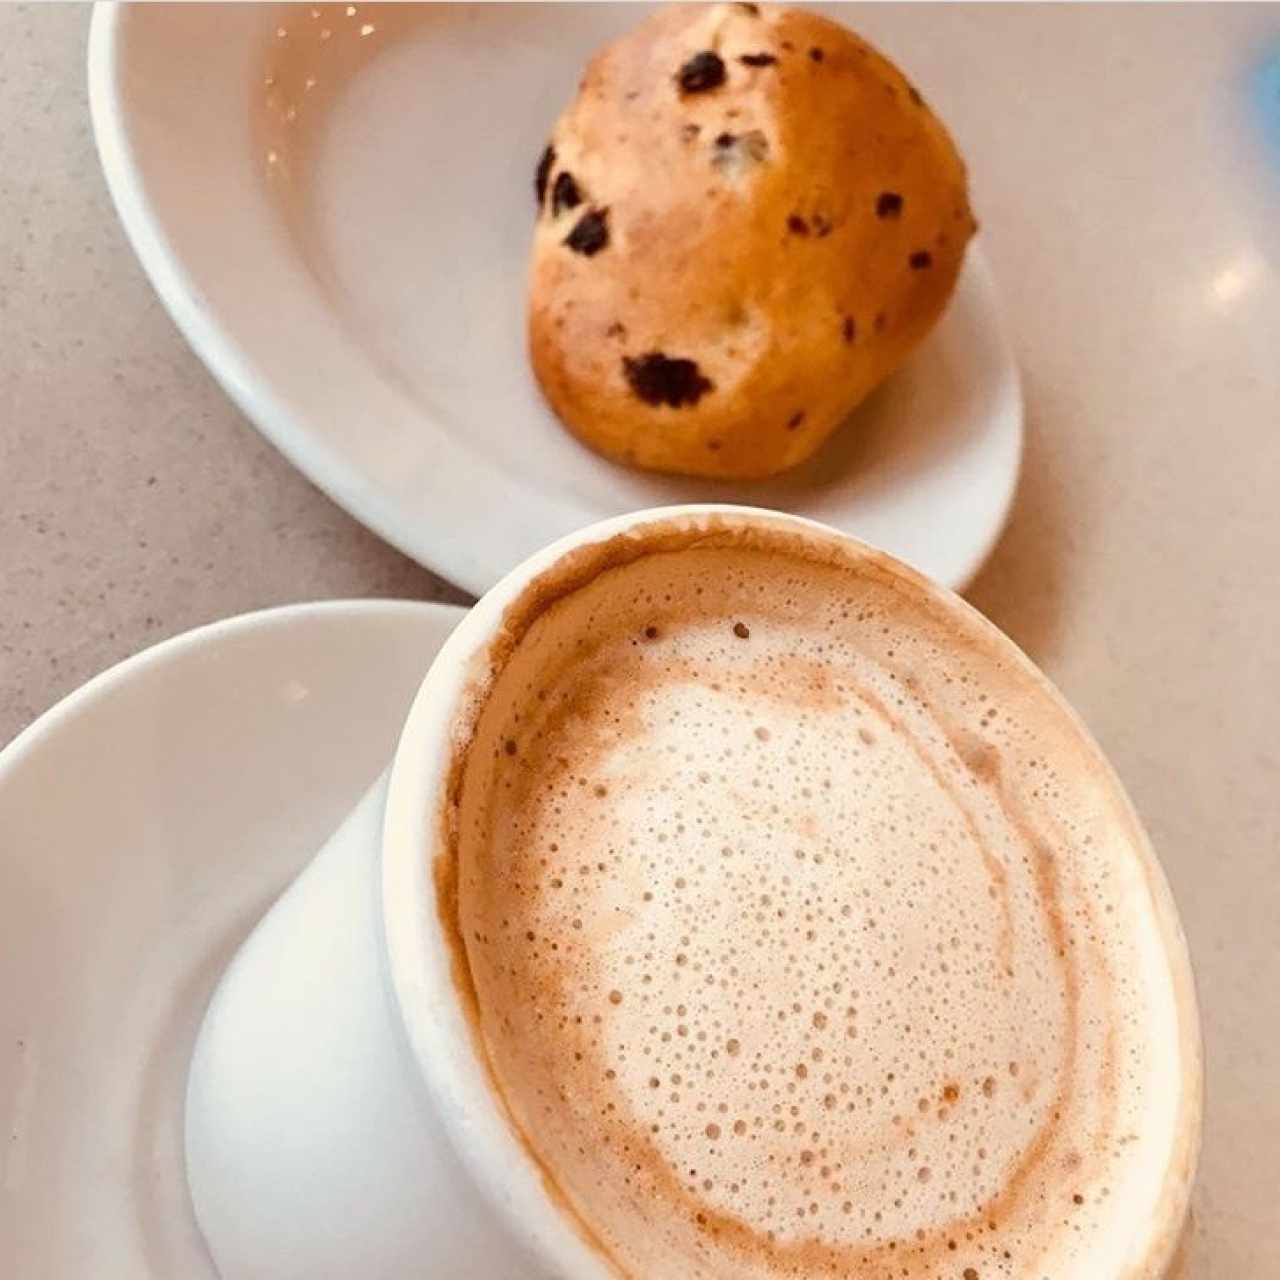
x=794 y=232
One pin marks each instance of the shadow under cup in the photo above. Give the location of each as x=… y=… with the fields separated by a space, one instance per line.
x=355 y=1104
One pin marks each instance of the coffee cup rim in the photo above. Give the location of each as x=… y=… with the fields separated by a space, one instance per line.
x=421 y=956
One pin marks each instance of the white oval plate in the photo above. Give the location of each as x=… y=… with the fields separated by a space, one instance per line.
x=146 y=822
x=337 y=217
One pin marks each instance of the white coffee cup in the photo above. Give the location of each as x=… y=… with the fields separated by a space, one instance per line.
x=339 y=1121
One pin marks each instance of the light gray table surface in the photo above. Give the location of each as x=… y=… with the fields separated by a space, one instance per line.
x=135 y=499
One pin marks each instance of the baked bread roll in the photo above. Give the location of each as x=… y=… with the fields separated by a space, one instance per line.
x=747 y=218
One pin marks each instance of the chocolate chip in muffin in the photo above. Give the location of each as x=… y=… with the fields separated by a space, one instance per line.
x=921 y=260
x=736 y=153
x=849 y=329
x=702 y=72
x=661 y=379
x=816 y=54
x=797 y=225
x=752 y=9
x=590 y=233
x=795 y=420
x=888 y=204
x=564 y=193
x=542 y=173
x=757 y=59
x=821 y=225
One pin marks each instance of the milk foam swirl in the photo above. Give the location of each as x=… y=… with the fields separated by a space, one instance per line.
x=807 y=932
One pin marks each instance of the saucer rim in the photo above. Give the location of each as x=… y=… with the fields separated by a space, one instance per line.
x=70 y=705
x=276 y=642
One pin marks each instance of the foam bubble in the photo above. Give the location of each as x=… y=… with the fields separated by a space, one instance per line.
x=807 y=934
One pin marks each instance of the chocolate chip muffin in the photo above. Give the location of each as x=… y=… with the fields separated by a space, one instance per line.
x=747 y=219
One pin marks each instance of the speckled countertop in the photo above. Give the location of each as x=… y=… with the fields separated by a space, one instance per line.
x=1130 y=203
x=135 y=500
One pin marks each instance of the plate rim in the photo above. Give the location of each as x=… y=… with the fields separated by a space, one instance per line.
x=218 y=351
x=253 y=392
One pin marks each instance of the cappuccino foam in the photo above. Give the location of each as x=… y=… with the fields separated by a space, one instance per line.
x=806 y=932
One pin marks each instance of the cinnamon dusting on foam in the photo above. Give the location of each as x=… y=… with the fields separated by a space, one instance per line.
x=639 y=1160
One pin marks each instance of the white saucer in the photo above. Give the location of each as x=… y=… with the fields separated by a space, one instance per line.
x=345 y=248
x=145 y=823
